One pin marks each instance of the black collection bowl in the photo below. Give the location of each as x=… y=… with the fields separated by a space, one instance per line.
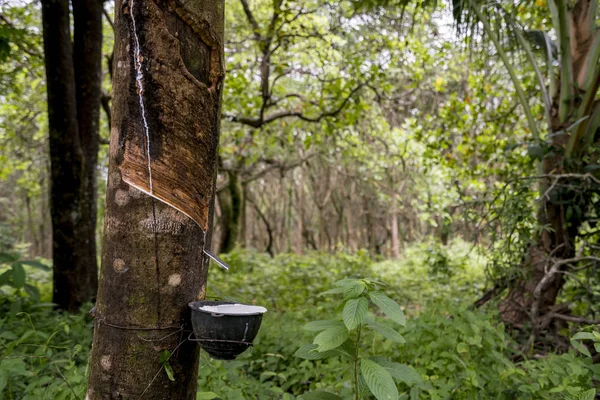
x=227 y=332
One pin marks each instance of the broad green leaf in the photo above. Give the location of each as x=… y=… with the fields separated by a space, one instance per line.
x=580 y=347
x=378 y=380
x=8 y=258
x=344 y=282
x=36 y=264
x=310 y=352
x=587 y=395
x=401 y=372
x=583 y=336
x=389 y=307
x=32 y=291
x=320 y=395
x=387 y=332
x=5 y=277
x=354 y=289
x=331 y=338
x=206 y=395
x=318 y=326
x=18 y=275
x=354 y=312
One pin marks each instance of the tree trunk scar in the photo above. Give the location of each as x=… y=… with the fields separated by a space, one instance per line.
x=139 y=77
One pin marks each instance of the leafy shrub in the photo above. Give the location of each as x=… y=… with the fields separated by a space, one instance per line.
x=43 y=353
x=456 y=353
x=342 y=337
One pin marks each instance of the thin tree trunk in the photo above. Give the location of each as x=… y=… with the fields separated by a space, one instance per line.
x=300 y=219
x=75 y=275
x=230 y=201
x=152 y=258
x=395 y=237
x=87 y=61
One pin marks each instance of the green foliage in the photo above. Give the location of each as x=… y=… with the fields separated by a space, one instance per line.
x=43 y=353
x=344 y=339
x=14 y=278
x=450 y=352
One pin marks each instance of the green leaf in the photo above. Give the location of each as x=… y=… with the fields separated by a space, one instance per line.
x=378 y=380
x=32 y=291
x=401 y=372
x=310 y=352
x=8 y=258
x=206 y=395
x=36 y=264
x=580 y=347
x=354 y=289
x=354 y=312
x=320 y=395
x=318 y=326
x=588 y=395
x=164 y=356
x=331 y=338
x=583 y=336
x=5 y=277
x=387 y=332
x=462 y=348
x=169 y=372
x=18 y=275
x=344 y=282
x=389 y=307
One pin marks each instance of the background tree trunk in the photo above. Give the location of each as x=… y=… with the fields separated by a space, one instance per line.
x=532 y=295
x=152 y=259
x=230 y=201
x=73 y=88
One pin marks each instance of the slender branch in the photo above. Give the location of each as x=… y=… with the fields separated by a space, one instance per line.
x=251 y=20
x=259 y=122
x=109 y=19
x=570 y=318
x=275 y=166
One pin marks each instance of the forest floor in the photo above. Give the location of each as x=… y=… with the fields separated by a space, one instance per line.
x=456 y=352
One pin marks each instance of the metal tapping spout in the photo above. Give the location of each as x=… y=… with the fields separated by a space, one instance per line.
x=216 y=259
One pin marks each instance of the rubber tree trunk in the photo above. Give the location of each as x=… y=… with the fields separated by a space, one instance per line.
x=73 y=76
x=167 y=85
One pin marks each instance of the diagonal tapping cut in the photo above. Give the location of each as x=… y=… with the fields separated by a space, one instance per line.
x=139 y=77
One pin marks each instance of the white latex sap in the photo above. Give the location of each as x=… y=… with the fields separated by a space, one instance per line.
x=234 y=309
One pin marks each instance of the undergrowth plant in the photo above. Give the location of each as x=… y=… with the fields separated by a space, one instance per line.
x=344 y=337
x=15 y=278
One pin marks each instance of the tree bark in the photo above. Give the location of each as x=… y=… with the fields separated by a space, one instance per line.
x=72 y=190
x=87 y=61
x=152 y=259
